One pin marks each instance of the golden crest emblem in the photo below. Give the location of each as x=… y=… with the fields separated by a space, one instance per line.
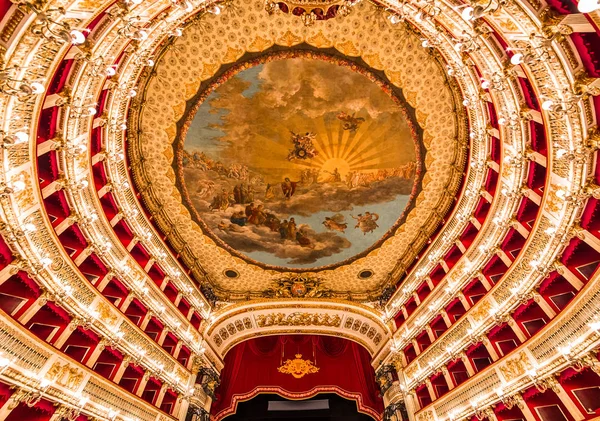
x=298 y=289
x=298 y=367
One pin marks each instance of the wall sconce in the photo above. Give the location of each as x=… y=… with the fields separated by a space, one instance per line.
x=84 y=110
x=133 y=29
x=45 y=25
x=16 y=138
x=466 y=43
x=11 y=85
x=429 y=11
x=184 y=5
x=15 y=187
x=530 y=55
x=97 y=65
x=512 y=121
x=430 y=43
x=561 y=107
x=396 y=16
x=144 y=59
x=214 y=8
x=494 y=81
x=471 y=13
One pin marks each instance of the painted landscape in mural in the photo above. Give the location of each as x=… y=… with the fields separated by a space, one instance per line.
x=299 y=162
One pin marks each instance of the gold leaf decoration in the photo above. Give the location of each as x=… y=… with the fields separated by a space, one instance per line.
x=348 y=48
x=373 y=60
x=208 y=70
x=320 y=41
x=171 y=132
x=421 y=118
x=179 y=109
x=232 y=55
x=259 y=44
x=515 y=367
x=298 y=319
x=288 y=39
x=411 y=98
x=298 y=367
x=191 y=88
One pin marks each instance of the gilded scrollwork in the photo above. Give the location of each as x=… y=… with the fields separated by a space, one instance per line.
x=302 y=285
x=298 y=319
x=515 y=367
x=65 y=375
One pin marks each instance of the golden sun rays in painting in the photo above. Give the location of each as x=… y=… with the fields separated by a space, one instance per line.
x=299 y=161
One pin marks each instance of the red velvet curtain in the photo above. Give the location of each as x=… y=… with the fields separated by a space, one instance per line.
x=251 y=368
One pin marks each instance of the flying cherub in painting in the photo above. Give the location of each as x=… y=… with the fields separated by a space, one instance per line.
x=336 y=223
x=367 y=222
x=303 y=146
x=350 y=122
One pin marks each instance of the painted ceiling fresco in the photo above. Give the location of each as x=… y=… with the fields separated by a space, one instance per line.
x=299 y=161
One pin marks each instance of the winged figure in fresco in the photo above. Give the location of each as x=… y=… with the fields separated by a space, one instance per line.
x=336 y=223
x=350 y=122
x=303 y=146
x=367 y=222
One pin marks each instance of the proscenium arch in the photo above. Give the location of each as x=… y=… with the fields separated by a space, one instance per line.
x=247 y=359
x=355 y=322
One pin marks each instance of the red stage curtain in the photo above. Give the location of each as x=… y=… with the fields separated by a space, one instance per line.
x=251 y=368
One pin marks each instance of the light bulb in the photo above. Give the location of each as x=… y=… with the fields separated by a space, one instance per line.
x=485 y=84
x=77 y=37
x=467 y=14
x=21 y=137
x=92 y=110
x=588 y=6
x=516 y=59
x=29 y=227
x=394 y=19
x=215 y=9
x=18 y=185
x=425 y=44
x=110 y=71
x=37 y=88
x=547 y=105
x=4 y=362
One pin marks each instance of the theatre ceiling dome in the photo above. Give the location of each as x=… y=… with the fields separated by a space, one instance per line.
x=394 y=202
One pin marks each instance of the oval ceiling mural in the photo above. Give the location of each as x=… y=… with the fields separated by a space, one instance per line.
x=299 y=161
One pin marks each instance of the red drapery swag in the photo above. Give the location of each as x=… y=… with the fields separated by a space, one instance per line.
x=251 y=368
